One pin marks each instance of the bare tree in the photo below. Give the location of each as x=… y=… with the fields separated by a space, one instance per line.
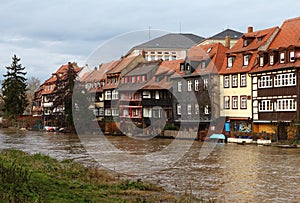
x=33 y=84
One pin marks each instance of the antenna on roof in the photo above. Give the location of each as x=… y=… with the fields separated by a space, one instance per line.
x=179 y=27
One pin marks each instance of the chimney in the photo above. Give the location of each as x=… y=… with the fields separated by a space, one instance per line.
x=95 y=68
x=227 y=42
x=250 y=29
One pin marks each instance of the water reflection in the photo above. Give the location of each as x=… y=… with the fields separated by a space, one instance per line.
x=232 y=173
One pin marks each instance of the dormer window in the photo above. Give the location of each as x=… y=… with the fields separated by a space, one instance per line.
x=272 y=60
x=203 y=65
x=292 y=56
x=209 y=50
x=261 y=61
x=245 y=42
x=230 y=61
x=246 y=60
x=182 y=68
x=188 y=67
x=282 y=57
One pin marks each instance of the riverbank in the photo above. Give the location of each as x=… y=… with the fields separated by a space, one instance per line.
x=39 y=178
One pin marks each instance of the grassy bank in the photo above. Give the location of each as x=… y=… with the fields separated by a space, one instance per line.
x=39 y=178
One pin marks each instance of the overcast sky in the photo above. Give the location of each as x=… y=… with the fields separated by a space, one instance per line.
x=47 y=34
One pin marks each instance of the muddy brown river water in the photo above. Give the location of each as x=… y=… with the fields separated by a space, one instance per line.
x=231 y=172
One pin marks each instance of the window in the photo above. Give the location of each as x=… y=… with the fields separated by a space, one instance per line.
x=245 y=42
x=115 y=95
x=209 y=50
x=205 y=83
x=189 y=85
x=188 y=67
x=196 y=109
x=133 y=78
x=243 y=80
x=179 y=86
x=156 y=112
x=107 y=112
x=136 y=112
x=203 y=65
x=287 y=79
x=182 y=67
x=265 y=81
x=196 y=85
x=246 y=60
x=292 y=56
x=226 y=102
x=107 y=95
x=234 y=102
x=147 y=112
x=243 y=102
x=286 y=105
x=189 y=109
x=272 y=60
x=229 y=62
x=265 y=105
x=226 y=81
x=234 y=80
x=178 y=109
x=146 y=95
x=282 y=57
x=261 y=61
x=206 y=110
x=115 y=112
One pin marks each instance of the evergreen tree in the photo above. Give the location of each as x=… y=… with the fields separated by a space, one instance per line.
x=14 y=89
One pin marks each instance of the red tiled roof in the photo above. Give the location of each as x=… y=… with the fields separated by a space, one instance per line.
x=167 y=68
x=238 y=51
x=289 y=34
x=122 y=63
x=216 y=55
x=259 y=38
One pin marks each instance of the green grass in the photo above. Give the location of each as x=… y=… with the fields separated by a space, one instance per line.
x=39 y=178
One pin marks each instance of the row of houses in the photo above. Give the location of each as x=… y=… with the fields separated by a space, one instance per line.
x=249 y=80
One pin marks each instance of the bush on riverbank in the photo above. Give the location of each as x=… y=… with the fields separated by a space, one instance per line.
x=39 y=178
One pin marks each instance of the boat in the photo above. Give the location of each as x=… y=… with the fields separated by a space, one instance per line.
x=286 y=146
x=263 y=142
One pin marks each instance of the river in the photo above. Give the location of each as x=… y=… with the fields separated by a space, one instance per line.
x=231 y=172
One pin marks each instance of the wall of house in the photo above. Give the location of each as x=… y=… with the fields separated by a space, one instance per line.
x=237 y=91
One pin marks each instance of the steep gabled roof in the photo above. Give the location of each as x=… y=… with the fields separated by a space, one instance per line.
x=233 y=34
x=259 y=38
x=171 y=41
x=122 y=63
x=289 y=34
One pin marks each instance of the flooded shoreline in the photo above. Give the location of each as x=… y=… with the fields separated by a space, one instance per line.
x=231 y=173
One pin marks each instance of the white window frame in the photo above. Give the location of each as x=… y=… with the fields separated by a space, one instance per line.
x=189 y=109
x=282 y=57
x=261 y=61
x=189 y=83
x=178 y=109
x=107 y=112
x=265 y=81
x=197 y=110
x=196 y=85
x=265 y=106
x=286 y=79
x=179 y=86
x=286 y=105
x=292 y=56
x=156 y=112
x=114 y=112
x=246 y=59
x=115 y=95
x=272 y=59
x=205 y=83
x=234 y=80
x=226 y=81
x=206 y=110
x=230 y=61
x=226 y=102
x=243 y=79
x=107 y=95
x=235 y=102
x=243 y=102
